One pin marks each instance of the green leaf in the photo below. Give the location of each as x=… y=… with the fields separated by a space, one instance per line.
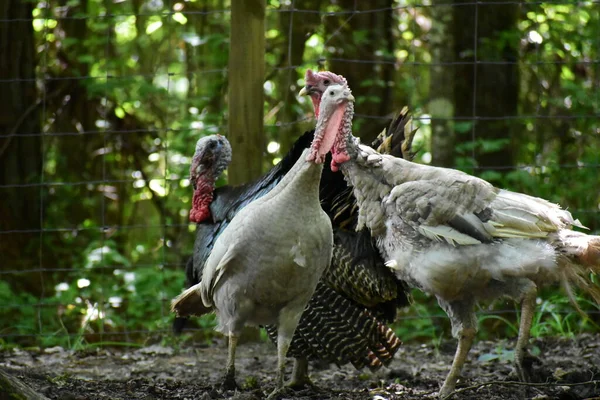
x=153 y=27
x=487 y=357
x=463 y=126
x=86 y=59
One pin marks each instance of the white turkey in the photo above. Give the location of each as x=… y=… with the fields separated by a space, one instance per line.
x=265 y=265
x=459 y=238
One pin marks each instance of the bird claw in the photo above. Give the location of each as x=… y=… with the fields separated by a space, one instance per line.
x=445 y=392
x=302 y=383
x=228 y=383
x=279 y=392
x=523 y=374
x=524 y=369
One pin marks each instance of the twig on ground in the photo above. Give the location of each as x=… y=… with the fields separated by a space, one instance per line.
x=12 y=388
x=516 y=383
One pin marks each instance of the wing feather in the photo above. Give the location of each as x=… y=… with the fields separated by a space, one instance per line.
x=215 y=267
x=463 y=211
x=447 y=233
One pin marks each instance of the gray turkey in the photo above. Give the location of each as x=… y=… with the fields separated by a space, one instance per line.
x=344 y=320
x=461 y=239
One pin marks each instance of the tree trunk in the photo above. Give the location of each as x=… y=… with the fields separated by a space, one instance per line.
x=441 y=105
x=485 y=90
x=293 y=44
x=246 y=93
x=20 y=156
x=364 y=37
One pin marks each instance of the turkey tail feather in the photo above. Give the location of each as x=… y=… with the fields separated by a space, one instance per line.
x=397 y=139
x=582 y=254
x=591 y=255
x=189 y=303
x=335 y=329
x=179 y=324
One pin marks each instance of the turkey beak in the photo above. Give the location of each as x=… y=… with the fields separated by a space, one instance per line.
x=350 y=98
x=305 y=90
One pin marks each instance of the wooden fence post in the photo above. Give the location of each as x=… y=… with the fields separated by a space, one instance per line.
x=246 y=93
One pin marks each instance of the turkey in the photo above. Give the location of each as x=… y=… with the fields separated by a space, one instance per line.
x=344 y=320
x=265 y=265
x=459 y=238
x=317 y=82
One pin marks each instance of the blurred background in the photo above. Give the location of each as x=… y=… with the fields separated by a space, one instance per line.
x=102 y=101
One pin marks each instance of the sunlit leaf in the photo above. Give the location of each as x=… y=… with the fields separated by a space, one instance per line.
x=153 y=27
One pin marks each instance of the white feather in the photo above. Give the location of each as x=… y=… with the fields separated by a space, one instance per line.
x=450 y=235
x=392 y=264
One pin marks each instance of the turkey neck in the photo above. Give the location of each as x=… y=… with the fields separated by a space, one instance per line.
x=304 y=177
x=301 y=183
x=344 y=140
x=367 y=181
x=352 y=157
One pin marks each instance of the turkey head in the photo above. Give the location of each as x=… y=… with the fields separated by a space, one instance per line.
x=317 y=83
x=212 y=156
x=335 y=101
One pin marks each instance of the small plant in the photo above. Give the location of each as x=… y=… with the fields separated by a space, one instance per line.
x=250 y=383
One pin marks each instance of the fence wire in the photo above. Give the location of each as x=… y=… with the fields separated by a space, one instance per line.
x=118 y=96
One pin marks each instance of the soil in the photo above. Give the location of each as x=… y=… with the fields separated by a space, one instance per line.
x=158 y=372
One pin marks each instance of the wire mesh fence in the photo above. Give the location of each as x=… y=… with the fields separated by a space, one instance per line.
x=104 y=101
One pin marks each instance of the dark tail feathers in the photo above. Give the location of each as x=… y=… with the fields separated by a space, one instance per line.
x=335 y=329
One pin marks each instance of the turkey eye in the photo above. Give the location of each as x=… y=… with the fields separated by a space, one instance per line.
x=332 y=93
x=326 y=82
x=212 y=145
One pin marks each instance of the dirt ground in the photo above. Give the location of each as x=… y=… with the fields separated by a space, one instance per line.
x=157 y=372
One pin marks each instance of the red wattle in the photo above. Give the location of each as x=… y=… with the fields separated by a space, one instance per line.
x=334 y=166
x=339 y=156
x=203 y=196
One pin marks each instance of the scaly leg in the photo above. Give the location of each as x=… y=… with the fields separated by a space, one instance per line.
x=283 y=344
x=527 y=311
x=465 y=340
x=288 y=320
x=300 y=374
x=229 y=378
x=464 y=327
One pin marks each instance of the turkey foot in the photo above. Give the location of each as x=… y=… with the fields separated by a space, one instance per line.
x=525 y=371
x=228 y=382
x=302 y=383
x=300 y=379
x=465 y=341
x=280 y=392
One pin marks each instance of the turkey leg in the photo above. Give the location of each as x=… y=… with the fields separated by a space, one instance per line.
x=465 y=340
x=229 y=378
x=283 y=344
x=464 y=328
x=288 y=320
x=300 y=374
x=527 y=311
